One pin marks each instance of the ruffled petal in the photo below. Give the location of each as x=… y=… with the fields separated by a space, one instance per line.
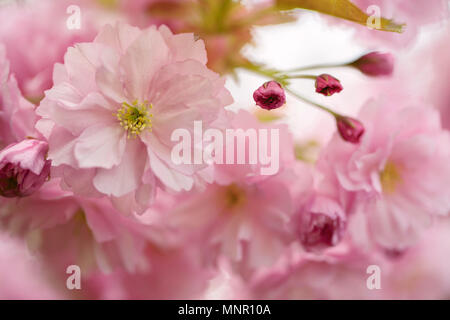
x=127 y=175
x=100 y=146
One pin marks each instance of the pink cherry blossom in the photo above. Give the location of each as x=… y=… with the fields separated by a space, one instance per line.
x=87 y=232
x=93 y=172
x=246 y=222
x=398 y=174
x=116 y=102
x=244 y=216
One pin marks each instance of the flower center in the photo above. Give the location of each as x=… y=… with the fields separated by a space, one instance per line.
x=234 y=196
x=390 y=177
x=135 y=118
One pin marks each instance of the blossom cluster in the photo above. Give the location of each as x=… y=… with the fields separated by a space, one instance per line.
x=91 y=120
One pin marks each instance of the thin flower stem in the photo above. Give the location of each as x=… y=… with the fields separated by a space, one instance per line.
x=320 y=66
x=334 y=114
x=302 y=76
x=268 y=73
x=272 y=74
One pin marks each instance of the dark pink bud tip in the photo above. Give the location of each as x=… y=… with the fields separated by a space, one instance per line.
x=375 y=64
x=321 y=224
x=23 y=168
x=270 y=96
x=350 y=129
x=328 y=85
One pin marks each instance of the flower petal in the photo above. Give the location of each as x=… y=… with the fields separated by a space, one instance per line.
x=100 y=146
x=142 y=60
x=127 y=175
x=171 y=178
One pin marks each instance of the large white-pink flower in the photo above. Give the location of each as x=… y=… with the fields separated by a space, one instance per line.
x=245 y=216
x=398 y=174
x=115 y=103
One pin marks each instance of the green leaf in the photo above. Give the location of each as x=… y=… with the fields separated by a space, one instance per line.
x=343 y=9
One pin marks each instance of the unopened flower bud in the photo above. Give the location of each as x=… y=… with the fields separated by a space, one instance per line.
x=328 y=85
x=350 y=129
x=270 y=95
x=321 y=224
x=375 y=64
x=23 y=168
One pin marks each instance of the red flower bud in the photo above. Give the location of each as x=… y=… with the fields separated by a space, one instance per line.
x=23 y=168
x=321 y=224
x=375 y=64
x=328 y=85
x=270 y=96
x=350 y=129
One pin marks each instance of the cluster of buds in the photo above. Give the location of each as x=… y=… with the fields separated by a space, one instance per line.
x=271 y=95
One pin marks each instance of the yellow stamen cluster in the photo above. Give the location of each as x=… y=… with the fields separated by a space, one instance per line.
x=135 y=118
x=390 y=177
